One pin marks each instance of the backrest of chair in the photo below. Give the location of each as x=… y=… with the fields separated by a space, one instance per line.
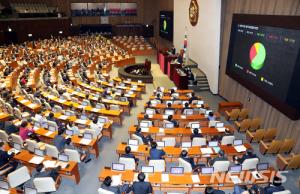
x=234 y=114
x=114 y=107
x=18 y=177
x=31 y=145
x=51 y=151
x=255 y=123
x=57 y=108
x=227 y=140
x=270 y=134
x=283 y=192
x=245 y=124
x=199 y=141
x=221 y=166
x=103 y=191
x=159 y=165
x=287 y=146
x=244 y=113
x=52 y=123
x=3 y=136
x=44 y=184
x=186 y=165
x=169 y=141
x=17 y=113
x=274 y=146
x=250 y=163
x=140 y=140
x=17 y=139
x=73 y=155
x=128 y=162
x=294 y=163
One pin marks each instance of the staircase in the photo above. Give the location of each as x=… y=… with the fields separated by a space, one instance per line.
x=202 y=83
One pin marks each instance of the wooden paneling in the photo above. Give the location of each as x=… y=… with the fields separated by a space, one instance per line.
x=232 y=90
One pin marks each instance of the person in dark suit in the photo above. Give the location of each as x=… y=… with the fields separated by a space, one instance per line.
x=184 y=156
x=5 y=161
x=115 y=189
x=193 y=97
x=242 y=189
x=156 y=154
x=186 y=106
x=53 y=172
x=141 y=187
x=221 y=157
x=170 y=119
x=59 y=141
x=128 y=154
x=196 y=134
x=146 y=140
x=158 y=97
x=274 y=187
x=9 y=127
x=52 y=118
x=249 y=154
x=211 y=116
x=169 y=106
x=211 y=190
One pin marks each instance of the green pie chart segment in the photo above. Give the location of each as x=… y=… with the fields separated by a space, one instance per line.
x=257 y=56
x=165 y=25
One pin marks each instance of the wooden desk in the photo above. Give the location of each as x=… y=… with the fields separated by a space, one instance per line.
x=228 y=106
x=180 y=79
x=93 y=146
x=4 y=116
x=177 y=107
x=71 y=172
x=32 y=107
x=126 y=82
x=169 y=98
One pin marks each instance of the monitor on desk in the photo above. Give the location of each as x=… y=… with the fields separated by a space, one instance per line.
x=102 y=119
x=177 y=170
x=63 y=157
x=87 y=136
x=237 y=142
x=212 y=123
x=207 y=170
x=235 y=169
x=169 y=112
x=262 y=166
x=195 y=125
x=144 y=124
x=29 y=190
x=84 y=103
x=17 y=146
x=69 y=132
x=148 y=169
x=160 y=144
x=133 y=142
x=219 y=124
x=39 y=152
x=150 y=111
x=188 y=111
x=118 y=166
x=51 y=128
x=4 y=185
x=200 y=102
x=207 y=112
x=213 y=144
x=187 y=144
x=83 y=117
x=169 y=125
x=68 y=113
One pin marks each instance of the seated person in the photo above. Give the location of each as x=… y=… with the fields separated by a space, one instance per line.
x=6 y=162
x=193 y=97
x=249 y=154
x=184 y=156
x=95 y=126
x=196 y=134
x=211 y=190
x=9 y=127
x=128 y=154
x=106 y=185
x=52 y=118
x=169 y=106
x=156 y=154
x=59 y=140
x=41 y=171
x=40 y=118
x=158 y=97
x=74 y=128
x=85 y=155
x=146 y=140
x=170 y=119
x=141 y=187
x=25 y=132
x=211 y=116
x=274 y=187
x=221 y=157
x=186 y=106
x=242 y=189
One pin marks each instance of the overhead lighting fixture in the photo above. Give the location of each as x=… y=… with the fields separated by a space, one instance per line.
x=60 y=32
x=9 y=29
x=29 y=35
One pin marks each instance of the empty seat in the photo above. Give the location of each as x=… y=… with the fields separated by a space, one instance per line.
x=255 y=136
x=244 y=125
x=169 y=141
x=227 y=140
x=270 y=148
x=289 y=162
x=243 y=114
x=18 y=177
x=270 y=134
x=255 y=124
x=287 y=146
x=232 y=115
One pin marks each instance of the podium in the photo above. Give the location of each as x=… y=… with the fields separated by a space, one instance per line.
x=180 y=79
x=163 y=60
x=172 y=67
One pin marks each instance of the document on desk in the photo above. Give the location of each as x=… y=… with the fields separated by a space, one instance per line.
x=80 y=121
x=24 y=101
x=49 y=164
x=61 y=101
x=36 y=160
x=116 y=180
x=63 y=117
x=62 y=164
x=195 y=178
x=85 y=141
x=134 y=148
x=49 y=133
x=165 y=116
x=240 y=148
x=161 y=130
x=221 y=129
x=150 y=116
x=32 y=105
x=183 y=117
x=145 y=129
x=235 y=180
x=80 y=106
x=4 y=191
x=206 y=150
x=95 y=109
x=165 y=178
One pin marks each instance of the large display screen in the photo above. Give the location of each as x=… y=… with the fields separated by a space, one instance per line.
x=264 y=56
x=166 y=25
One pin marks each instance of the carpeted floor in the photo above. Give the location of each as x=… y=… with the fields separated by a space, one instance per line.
x=89 y=172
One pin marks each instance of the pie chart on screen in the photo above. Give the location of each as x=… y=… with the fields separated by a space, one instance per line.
x=257 y=56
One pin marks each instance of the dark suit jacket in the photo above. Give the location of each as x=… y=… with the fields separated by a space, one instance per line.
x=10 y=128
x=145 y=140
x=59 y=142
x=129 y=156
x=192 y=98
x=156 y=154
x=190 y=160
x=116 y=189
x=196 y=135
x=141 y=188
x=271 y=189
x=4 y=157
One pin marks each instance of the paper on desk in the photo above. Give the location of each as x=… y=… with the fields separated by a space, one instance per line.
x=236 y=179
x=62 y=164
x=206 y=150
x=49 y=133
x=240 y=148
x=116 y=180
x=32 y=105
x=195 y=178
x=165 y=177
x=24 y=101
x=183 y=116
x=85 y=141
x=80 y=121
x=161 y=130
x=127 y=95
x=61 y=101
x=36 y=160
x=134 y=148
x=145 y=129
x=95 y=109
x=150 y=116
x=63 y=117
x=165 y=116
x=4 y=191
x=221 y=129
x=49 y=164
x=80 y=106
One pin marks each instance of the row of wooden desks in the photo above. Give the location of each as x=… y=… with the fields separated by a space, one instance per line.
x=131 y=83
x=177 y=107
x=71 y=171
